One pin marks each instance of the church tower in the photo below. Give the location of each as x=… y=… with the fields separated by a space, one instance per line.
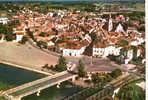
x=110 y=25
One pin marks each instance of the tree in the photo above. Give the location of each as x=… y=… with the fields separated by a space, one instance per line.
x=81 y=69
x=55 y=30
x=6 y=32
x=45 y=66
x=141 y=28
x=96 y=78
x=122 y=43
x=62 y=61
x=42 y=44
x=131 y=92
x=43 y=34
x=108 y=78
x=14 y=23
x=9 y=36
x=30 y=34
x=3 y=30
x=115 y=73
x=24 y=40
x=62 y=64
x=51 y=66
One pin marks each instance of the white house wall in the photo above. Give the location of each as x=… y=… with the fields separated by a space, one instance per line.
x=130 y=54
x=4 y=20
x=104 y=52
x=119 y=28
x=73 y=52
x=19 y=38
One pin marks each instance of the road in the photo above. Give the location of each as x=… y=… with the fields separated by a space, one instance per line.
x=135 y=73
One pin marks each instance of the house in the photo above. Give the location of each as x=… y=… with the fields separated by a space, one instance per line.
x=127 y=53
x=110 y=26
x=50 y=43
x=44 y=39
x=98 y=50
x=116 y=51
x=131 y=29
x=4 y=20
x=141 y=40
x=73 y=52
x=19 y=36
x=119 y=28
x=104 y=50
x=20 y=32
x=133 y=42
x=88 y=38
x=73 y=48
x=139 y=51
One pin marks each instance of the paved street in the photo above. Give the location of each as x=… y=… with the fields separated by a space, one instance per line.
x=98 y=64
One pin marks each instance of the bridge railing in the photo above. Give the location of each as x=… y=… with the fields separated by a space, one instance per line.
x=39 y=88
x=34 y=82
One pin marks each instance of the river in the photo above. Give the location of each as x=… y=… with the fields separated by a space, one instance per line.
x=11 y=77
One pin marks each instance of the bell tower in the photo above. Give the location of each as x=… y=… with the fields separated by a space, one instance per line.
x=110 y=25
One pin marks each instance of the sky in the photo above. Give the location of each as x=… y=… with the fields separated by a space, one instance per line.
x=71 y=0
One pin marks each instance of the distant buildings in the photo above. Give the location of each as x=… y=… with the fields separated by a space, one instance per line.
x=70 y=34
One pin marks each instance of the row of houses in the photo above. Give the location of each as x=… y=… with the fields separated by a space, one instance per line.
x=75 y=48
x=125 y=54
x=101 y=50
x=74 y=30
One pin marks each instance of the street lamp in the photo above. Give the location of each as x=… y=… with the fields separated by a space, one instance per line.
x=91 y=60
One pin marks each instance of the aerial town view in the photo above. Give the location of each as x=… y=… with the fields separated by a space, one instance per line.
x=72 y=50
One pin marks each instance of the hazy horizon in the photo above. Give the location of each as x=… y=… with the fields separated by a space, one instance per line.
x=75 y=0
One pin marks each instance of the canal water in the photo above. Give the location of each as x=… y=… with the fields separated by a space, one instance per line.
x=11 y=77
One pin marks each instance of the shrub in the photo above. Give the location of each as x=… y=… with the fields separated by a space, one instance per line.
x=115 y=73
x=87 y=81
x=24 y=40
x=61 y=66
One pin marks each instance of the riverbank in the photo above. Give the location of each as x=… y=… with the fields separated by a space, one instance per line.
x=5 y=86
x=11 y=77
x=26 y=57
x=24 y=67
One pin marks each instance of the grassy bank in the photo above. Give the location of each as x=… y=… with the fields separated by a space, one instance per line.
x=5 y=86
x=2 y=98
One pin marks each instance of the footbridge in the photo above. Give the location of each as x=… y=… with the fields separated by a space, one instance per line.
x=36 y=86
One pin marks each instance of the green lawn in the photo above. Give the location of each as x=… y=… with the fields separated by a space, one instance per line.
x=131 y=92
x=2 y=98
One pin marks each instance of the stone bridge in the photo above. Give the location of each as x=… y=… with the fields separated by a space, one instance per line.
x=38 y=85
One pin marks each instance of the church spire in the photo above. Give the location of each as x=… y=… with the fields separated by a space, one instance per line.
x=110 y=25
